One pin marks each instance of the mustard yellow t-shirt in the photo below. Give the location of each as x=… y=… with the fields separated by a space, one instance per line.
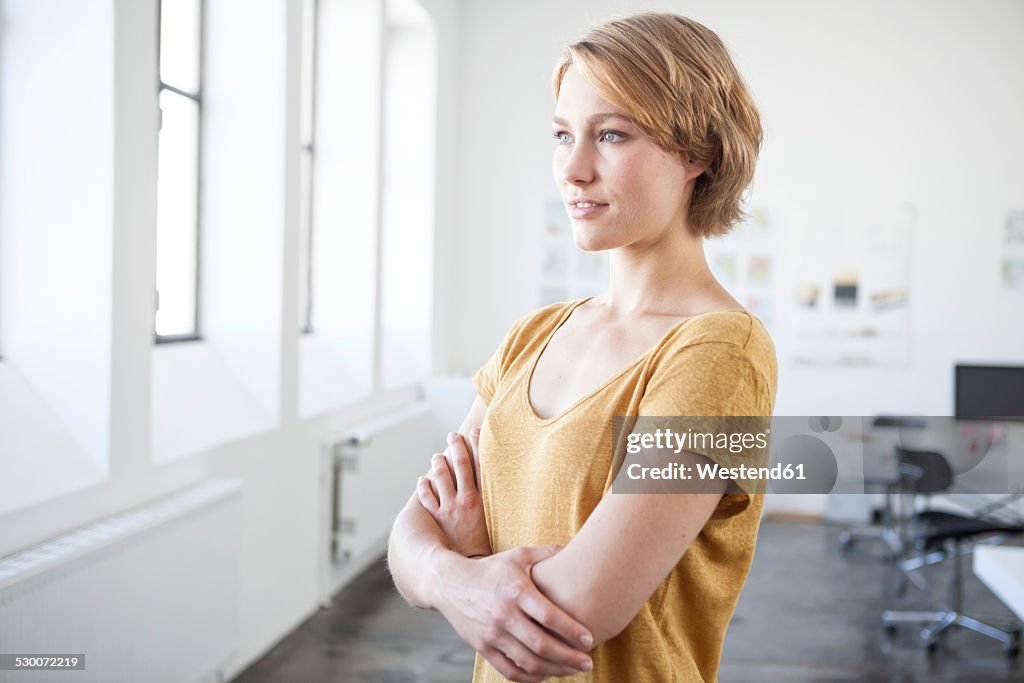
x=541 y=478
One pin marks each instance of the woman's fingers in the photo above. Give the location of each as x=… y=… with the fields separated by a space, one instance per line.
x=441 y=478
x=557 y=621
x=516 y=662
x=546 y=613
x=537 y=651
x=486 y=612
x=528 y=666
x=462 y=463
x=474 y=443
x=507 y=668
x=427 y=497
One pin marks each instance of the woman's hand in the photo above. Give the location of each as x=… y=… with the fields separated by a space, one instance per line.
x=493 y=604
x=456 y=504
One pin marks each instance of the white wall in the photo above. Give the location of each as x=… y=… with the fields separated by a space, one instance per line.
x=868 y=102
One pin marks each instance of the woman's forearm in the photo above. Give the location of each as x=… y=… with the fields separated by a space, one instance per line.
x=430 y=575
x=412 y=549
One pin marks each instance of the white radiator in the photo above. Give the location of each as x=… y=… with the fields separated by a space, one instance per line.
x=149 y=595
x=370 y=472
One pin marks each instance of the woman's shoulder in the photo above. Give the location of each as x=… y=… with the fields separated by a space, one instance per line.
x=719 y=363
x=737 y=332
x=736 y=326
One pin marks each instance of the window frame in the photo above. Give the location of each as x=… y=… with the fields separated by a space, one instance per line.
x=307 y=150
x=196 y=334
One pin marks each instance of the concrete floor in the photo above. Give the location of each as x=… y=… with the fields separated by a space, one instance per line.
x=808 y=614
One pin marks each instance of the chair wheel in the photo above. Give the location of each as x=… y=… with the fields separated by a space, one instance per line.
x=890 y=629
x=932 y=647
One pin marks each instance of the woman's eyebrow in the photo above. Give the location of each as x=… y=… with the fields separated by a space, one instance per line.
x=596 y=118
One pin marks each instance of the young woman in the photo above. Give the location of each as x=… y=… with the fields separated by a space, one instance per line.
x=515 y=535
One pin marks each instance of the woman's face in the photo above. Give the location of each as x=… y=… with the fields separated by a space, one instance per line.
x=636 y=190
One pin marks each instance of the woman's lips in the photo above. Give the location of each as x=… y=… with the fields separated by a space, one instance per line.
x=584 y=212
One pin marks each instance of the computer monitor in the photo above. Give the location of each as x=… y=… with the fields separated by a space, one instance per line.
x=989 y=392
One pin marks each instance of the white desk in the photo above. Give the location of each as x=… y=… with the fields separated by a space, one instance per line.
x=1001 y=568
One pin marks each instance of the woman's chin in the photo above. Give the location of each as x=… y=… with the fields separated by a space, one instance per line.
x=587 y=242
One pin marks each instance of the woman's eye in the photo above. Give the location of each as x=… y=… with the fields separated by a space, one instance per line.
x=612 y=136
x=562 y=137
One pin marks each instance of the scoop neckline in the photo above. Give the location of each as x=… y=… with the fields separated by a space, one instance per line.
x=525 y=393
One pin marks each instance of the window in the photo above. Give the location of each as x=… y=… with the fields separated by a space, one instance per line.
x=306 y=164
x=180 y=101
x=57 y=214
x=407 y=189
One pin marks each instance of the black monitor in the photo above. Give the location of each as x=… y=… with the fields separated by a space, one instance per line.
x=989 y=392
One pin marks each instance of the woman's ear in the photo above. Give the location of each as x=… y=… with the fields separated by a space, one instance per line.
x=694 y=170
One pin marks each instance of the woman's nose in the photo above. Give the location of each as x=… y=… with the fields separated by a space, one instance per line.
x=578 y=164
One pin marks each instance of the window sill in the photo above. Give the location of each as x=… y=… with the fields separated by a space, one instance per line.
x=197 y=403
x=39 y=458
x=326 y=382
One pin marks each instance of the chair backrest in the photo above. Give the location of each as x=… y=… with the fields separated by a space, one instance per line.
x=931 y=470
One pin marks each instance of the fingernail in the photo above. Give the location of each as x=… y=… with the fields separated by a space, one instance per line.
x=587 y=641
x=476 y=432
x=587 y=665
x=451 y=437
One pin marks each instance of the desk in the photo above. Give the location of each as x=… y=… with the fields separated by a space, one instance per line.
x=1001 y=568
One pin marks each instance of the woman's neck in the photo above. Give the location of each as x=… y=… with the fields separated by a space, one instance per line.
x=668 y=278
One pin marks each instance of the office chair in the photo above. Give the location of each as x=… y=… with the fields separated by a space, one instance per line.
x=933 y=536
x=889 y=530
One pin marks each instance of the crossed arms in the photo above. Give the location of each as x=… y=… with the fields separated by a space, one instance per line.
x=530 y=611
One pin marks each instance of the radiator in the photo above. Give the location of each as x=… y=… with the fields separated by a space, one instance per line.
x=149 y=595
x=372 y=472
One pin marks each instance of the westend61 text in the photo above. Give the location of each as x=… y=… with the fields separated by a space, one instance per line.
x=708 y=471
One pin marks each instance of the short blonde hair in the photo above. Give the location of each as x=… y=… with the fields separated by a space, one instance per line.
x=674 y=78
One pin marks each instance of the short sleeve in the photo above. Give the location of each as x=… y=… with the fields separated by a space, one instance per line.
x=489 y=376
x=719 y=381
x=709 y=378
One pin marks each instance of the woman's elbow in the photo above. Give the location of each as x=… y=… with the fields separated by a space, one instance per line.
x=602 y=618
x=397 y=561
x=604 y=625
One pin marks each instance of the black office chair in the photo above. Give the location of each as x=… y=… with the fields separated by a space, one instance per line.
x=934 y=536
x=888 y=529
